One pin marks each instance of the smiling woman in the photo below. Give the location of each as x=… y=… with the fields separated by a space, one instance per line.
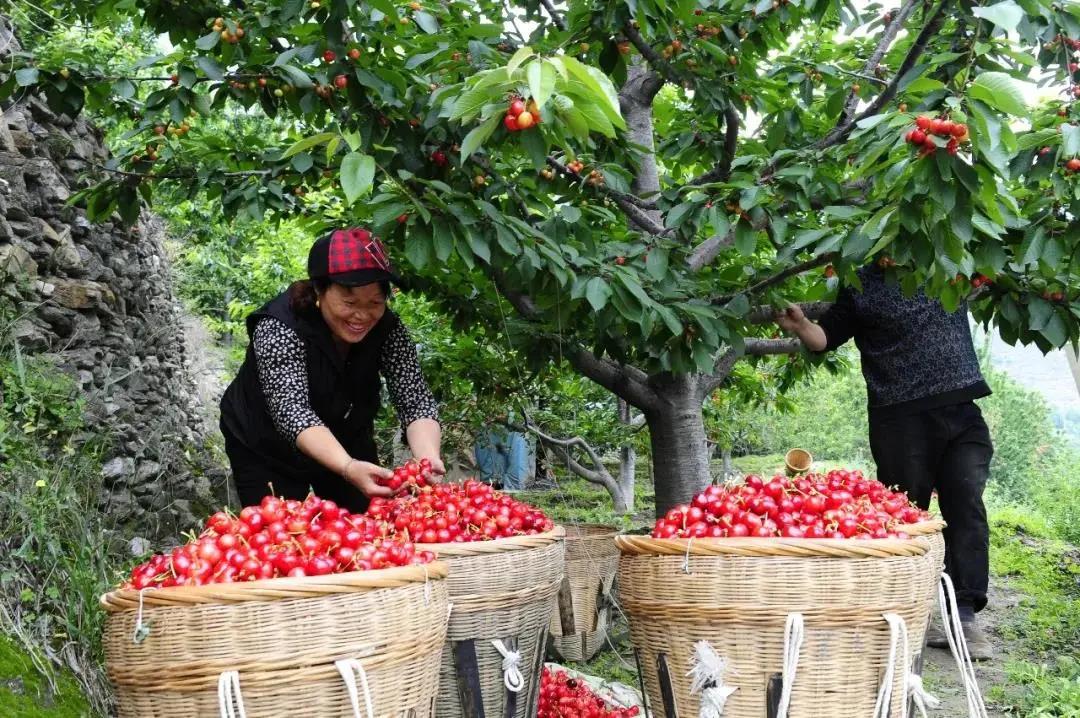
x=300 y=414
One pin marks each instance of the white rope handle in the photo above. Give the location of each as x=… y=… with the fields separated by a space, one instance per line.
x=794 y=629
x=350 y=668
x=919 y=695
x=707 y=669
x=686 y=558
x=898 y=639
x=954 y=632
x=512 y=678
x=228 y=691
x=140 y=630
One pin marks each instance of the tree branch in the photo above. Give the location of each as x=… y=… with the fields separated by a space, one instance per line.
x=722 y=171
x=520 y=301
x=917 y=49
x=765 y=314
x=841 y=131
x=662 y=66
x=614 y=194
x=780 y=276
x=600 y=476
x=624 y=381
x=763 y=347
x=555 y=16
x=889 y=33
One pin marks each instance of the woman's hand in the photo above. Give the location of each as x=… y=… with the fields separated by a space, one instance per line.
x=365 y=475
x=791 y=319
x=438 y=469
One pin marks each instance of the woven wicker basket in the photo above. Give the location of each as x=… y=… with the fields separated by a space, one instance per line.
x=592 y=561
x=737 y=594
x=931 y=531
x=282 y=637
x=502 y=590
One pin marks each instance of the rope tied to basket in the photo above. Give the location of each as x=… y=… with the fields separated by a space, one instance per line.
x=919 y=695
x=686 y=558
x=512 y=678
x=707 y=669
x=898 y=639
x=427 y=586
x=794 y=630
x=954 y=632
x=350 y=668
x=141 y=631
x=229 y=694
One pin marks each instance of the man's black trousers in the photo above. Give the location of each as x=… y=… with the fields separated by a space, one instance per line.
x=948 y=450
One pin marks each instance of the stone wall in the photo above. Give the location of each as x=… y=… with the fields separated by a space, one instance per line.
x=97 y=300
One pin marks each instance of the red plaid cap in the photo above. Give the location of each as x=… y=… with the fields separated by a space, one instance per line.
x=351 y=256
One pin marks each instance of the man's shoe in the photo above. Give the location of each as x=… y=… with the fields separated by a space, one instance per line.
x=935 y=637
x=978 y=642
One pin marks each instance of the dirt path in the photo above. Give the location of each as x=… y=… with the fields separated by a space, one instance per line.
x=941 y=676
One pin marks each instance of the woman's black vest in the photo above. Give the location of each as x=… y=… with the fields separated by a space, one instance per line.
x=344 y=390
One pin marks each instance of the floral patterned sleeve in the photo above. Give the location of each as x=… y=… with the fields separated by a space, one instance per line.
x=409 y=392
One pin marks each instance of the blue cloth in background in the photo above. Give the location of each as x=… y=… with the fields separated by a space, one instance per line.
x=504 y=458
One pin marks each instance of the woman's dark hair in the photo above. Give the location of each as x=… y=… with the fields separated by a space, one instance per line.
x=304 y=293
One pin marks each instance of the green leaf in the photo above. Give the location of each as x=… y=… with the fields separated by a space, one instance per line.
x=26 y=76
x=519 y=57
x=1055 y=331
x=124 y=88
x=678 y=214
x=1070 y=140
x=599 y=85
x=210 y=66
x=209 y=40
x=386 y=7
x=426 y=21
x=1006 y=15
x=302 y=162
x=843 y=211
x=1033 y=245
x=297 y=77
x=745 y=238
x=443 y=240
x=484 y=92
x=308 y=143
x=478 y=245
x=357 y=174
x=656 y=263
x=597 y=292
x=542 y=78
x=999 y=91
x=1040 y=312
x=418 y=247
x=417 y=60
x=477 y=136
x=1040 y=138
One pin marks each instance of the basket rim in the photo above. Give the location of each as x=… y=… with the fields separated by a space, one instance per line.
x=772 y=547
x=273 y=589
x=932 y=525
x=607 y=530
x=499 y=545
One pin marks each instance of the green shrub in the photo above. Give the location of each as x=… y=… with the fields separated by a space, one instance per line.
x=58 y=552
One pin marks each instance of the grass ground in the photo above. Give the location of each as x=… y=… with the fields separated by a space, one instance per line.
x=26 y=693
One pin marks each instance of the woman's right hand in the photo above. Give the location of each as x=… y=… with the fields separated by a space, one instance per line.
x=364 y=475
x=791 y=319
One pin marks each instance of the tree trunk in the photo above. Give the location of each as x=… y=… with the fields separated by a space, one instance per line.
x=627 y=465
x=677 y=434
x=1074 y=365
